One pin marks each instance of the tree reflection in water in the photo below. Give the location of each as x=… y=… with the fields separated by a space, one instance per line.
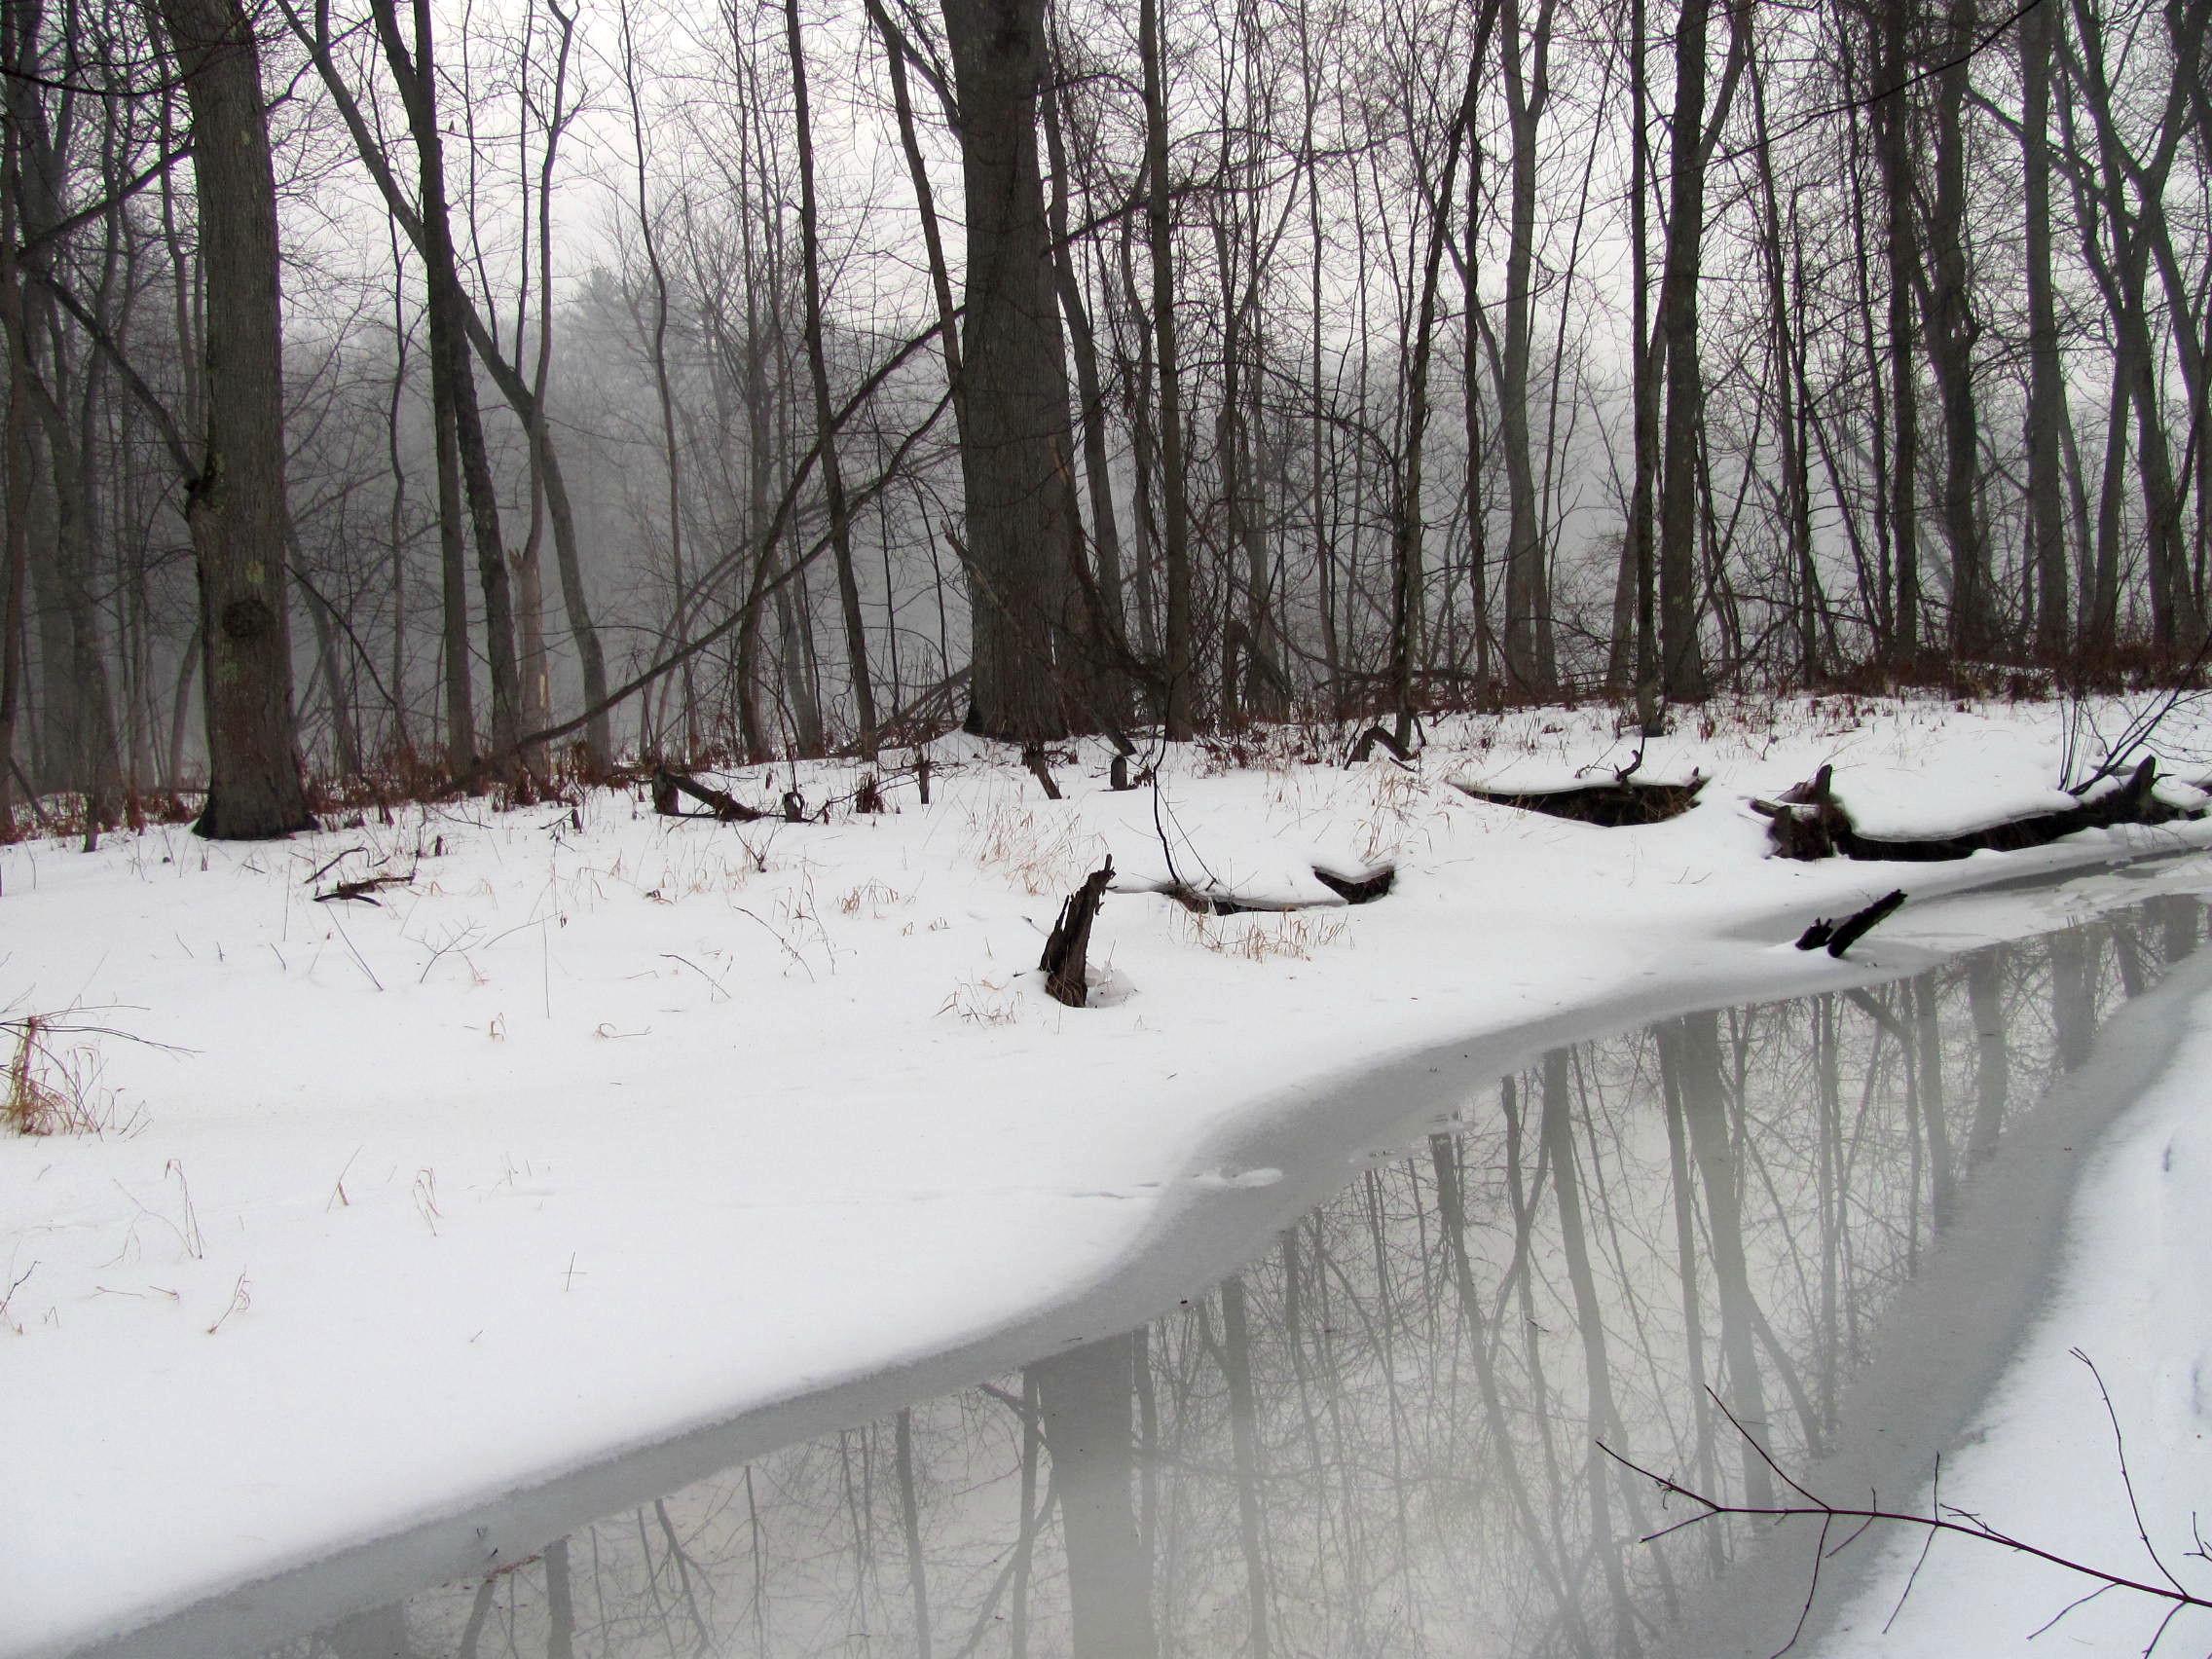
x=1379 y=1439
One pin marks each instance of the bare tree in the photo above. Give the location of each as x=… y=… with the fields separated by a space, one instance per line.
x=236 y=507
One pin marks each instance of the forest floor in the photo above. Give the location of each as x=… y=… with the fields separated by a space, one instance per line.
x=395 y=1234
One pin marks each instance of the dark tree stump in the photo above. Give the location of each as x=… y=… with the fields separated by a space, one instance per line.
x=1067 y=948
x=1805 y=821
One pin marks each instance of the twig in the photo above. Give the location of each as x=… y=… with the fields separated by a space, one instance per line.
x=323 y=870
x=242 y=1297
x=671 y=956
x=1946 y=1519
x=359 y=961
x=1936 y=1501
x=2127 y=1481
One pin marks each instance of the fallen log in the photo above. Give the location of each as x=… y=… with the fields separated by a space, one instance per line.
x=1351 y=890
x=1840 y=936
x=1066 y=962
x=1807 y=822
x=1358 y=888
x=672 y=786
x=1616 y=803
x=1366 y=746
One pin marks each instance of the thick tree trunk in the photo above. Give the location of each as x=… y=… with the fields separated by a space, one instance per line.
x=236 y=507
x=1022 y=546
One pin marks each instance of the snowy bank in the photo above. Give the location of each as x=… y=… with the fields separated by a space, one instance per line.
x=606 y=1148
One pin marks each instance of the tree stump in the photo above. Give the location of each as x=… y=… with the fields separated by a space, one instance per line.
x=1067 y=948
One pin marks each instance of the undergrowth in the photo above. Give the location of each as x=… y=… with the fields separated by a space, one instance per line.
x=53 y=1090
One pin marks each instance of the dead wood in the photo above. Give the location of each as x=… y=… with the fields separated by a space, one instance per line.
x=672 y=786
x=362 y=889
x=1619 y=802
x=1806 y=822
x=1352 y=890
x=1840 y=936
x=1033 y=758
x=1370 y=738
x=1067 y=948
x=1358 y=890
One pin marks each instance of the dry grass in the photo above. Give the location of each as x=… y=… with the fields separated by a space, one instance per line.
x=982 y=1001
x=1040 y=845
x=871 y=896
x=56 y=1091
x=1264 y=935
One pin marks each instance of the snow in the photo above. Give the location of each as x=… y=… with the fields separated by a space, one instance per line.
x=606 y=1144
x=2041 y=1459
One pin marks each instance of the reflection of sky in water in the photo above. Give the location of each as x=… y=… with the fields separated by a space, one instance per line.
x=1379 y=1438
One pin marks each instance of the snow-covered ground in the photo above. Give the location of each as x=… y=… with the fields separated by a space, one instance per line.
x=606 y=1144
x=2045 y=1459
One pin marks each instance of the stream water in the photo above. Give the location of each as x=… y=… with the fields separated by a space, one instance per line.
x=1381 y=1437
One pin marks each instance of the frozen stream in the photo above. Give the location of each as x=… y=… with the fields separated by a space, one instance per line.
x=1377 y=1437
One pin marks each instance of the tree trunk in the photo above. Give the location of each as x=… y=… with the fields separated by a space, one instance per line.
x=1022 y=546
x=2047 y=385
x=1111 y=621
x=1682 y=658
x=1952 y=330
x=453 y=372
x=1527 y=88
x=236 y=507
x=1893 y=150
x=1174 y=484
x=818 y=375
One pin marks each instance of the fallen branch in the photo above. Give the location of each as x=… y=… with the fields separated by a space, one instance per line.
x=1366 y=746
x=1840 y=936
x=671 y=787
x=362 y=890
x=1946 y=1519
x=1033 y=758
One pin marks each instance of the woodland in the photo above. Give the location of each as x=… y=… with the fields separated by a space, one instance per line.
x=468 y=395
